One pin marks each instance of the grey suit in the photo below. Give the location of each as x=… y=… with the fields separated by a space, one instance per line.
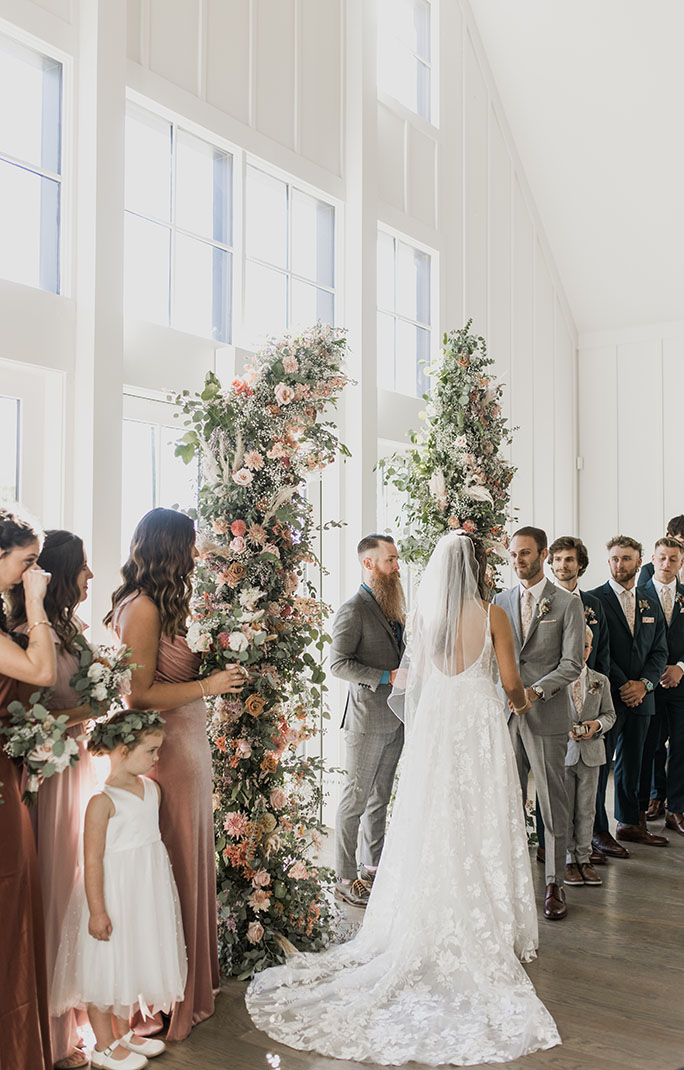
x=364 y=645
x=583 y=759
x=550 y=658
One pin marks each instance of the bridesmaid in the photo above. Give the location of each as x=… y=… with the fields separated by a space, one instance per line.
x=149 y=614
x=25 y=1024
x=58 y=813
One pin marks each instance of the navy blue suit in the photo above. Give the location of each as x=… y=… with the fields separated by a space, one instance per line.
x=669 y=718
x=645 y=574
x=632 y=657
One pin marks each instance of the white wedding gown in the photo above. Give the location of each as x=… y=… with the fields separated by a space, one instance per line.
x=434 y=974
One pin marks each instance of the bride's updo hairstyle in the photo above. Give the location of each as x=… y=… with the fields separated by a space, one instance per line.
x=124 y=728
x=160 y=564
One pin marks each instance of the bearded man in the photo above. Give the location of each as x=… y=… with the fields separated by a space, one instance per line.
x=367 y=645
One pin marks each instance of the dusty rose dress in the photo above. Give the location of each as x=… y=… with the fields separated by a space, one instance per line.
x=186 y=821
x=57 y=818
x=24 y=1021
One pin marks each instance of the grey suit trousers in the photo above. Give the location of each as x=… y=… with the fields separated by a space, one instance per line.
x=581 y=782
x=545 y=756
x=371 y=763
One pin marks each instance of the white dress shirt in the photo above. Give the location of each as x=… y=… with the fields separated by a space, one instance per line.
x=619 y=591
x=536 y=592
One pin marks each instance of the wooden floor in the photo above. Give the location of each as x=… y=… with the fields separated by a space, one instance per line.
x=611 y=974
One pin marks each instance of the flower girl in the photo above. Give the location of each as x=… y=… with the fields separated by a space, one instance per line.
x=122 y=948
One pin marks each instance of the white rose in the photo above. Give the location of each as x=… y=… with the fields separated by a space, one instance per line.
x=41 y=753
x=238 y=641
x=125 y=682
x=196 y=638
x=99 y=693
x=96 y=671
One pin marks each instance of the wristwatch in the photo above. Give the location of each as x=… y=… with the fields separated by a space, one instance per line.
x=539 y=691
x=647 y=684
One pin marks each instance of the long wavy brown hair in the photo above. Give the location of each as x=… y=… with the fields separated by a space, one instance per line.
x=160 y=565
x=16 y=529
x=63 y=556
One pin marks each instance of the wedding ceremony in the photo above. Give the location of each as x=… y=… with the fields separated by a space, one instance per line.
x=341 y=534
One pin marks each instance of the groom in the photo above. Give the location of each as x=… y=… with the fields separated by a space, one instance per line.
x=548 y=633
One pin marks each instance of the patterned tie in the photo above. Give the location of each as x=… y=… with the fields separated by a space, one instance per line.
x=667 y=603
x=629 y=607
x=577 y=696
x=526 y=614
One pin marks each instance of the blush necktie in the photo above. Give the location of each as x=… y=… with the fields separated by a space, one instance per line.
x=577 y=696
x=629 y=607
x=526 y=614
x=667 y=603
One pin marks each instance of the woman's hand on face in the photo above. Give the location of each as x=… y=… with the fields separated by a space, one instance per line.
x=35 y=582
x=227 y=681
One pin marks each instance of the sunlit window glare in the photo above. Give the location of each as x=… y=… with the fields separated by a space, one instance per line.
x=404 y=334
x=404 y=53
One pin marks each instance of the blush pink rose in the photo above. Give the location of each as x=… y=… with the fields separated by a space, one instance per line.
x=259 y=900
x=284 y=394
x=238 y=545
x=290 y=365
x=255 y=931
x=277 y=798
x=224 y=640
x=238 y=527
x=243 y=477
x=298 y=871
x=243 y=749
x=261 y=879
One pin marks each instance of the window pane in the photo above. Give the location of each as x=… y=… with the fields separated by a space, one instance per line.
x=148 y=164
x=30 y=118
x=265 y=303
x=266 y=218
x=146 y=270
x=204 y=179
x=421 y=29
x=413 y=344
x=138 y=477
x=178 y=481
x=310 y=305
x=9 y=450
x=423 y=358
x=385 y=271
x=423 y=101
x=202 y=289
x=386 y=348
x=404 y=76
x=413 y=283
x=29 y=225
x=313 y=239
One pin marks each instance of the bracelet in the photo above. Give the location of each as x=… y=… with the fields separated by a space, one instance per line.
x=522 y=709
x=35 y=625
x=201 y=683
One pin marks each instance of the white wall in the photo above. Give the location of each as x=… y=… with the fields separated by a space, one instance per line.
x=631 y=383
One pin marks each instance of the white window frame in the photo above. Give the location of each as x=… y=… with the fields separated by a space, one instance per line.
x=392 y=102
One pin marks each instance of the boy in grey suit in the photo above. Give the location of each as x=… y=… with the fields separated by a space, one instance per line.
x=594 y=715
x=548 y=634
x=367 y=645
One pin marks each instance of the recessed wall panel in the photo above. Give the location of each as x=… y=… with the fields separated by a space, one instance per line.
x=320 y=115
x=598 y=448
x=391 y=157
x=227 y=56
x=420 y=171
x=174 y=41
x=275 y=71
x=476 y=105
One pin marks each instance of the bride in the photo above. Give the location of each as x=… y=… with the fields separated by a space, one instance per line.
x=434 y=973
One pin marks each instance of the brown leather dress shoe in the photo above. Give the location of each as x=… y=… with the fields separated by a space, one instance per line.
x=675 y=822
x=554 y=903
x=656 y=809
x=639 y=834
x=541 y=855
x=597 y=858
x=604 y=842
x=588 y=873
x=572 y=874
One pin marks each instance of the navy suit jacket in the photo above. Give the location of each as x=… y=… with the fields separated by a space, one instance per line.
x=599 y=659
x=633 y=657
x=675 y=640
x=645 y=574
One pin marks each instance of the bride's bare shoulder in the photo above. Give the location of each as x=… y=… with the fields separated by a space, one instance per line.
x=499 y=619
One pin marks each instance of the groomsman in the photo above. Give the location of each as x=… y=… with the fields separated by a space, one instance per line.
x=638 y=655
x=367 y=645
x=675 y=530
x=569 y=559
x=548 y=633
x=669 y=694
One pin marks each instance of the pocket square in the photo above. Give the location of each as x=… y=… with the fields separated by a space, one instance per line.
x=648 y=620
x=549 y=620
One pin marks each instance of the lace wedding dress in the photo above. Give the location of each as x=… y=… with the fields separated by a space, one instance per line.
x=434 y=974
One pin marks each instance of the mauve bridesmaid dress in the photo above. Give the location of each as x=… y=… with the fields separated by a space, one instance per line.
x=186 y=820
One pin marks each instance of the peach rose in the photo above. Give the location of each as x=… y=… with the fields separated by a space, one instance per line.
x=243 y=477
x=255 y=932
x=235 y=573
x=284 y=394
x=238 y=545
x=277 y=798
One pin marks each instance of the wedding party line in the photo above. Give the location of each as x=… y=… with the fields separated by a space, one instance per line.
x=109 y=897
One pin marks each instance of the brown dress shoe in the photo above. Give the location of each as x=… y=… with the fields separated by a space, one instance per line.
x=604 y=842
x=656 y=809
x=588 y=873
x=541 y=855
x=639 y=834
x=572 y=874
x=675 y=822
x=554 y=903
x=597 y=858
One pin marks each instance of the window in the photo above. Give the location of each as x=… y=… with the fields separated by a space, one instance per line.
x=290 y=258
x=404 y=335
x=404 y=53
x=390 y=513
x=152 y=475
x=30 y=166
x=179 y=228
x=9 y=449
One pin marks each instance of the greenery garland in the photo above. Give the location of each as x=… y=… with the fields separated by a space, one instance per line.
x=454 y=475
x=259 y=440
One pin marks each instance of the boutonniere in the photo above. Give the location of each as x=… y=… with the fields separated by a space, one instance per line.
x=543 y=607
x=680 y=599
x=594 y=687
x=590 y=616
x=644 y=605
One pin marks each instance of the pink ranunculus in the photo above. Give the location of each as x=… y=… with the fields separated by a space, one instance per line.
x=298 y=871
x=238 y=545
x=254 y=460
x=224 y=640
x=261 y=879
x=277 y=798
x=243 y=748
x=259 y=900
x=255 y=931
x=243 y=477
x=236 y=824
x=284 y=394
x=290 y=365
x=238 y=527
x=470 y=526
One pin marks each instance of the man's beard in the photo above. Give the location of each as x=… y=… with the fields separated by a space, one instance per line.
x=389 y=594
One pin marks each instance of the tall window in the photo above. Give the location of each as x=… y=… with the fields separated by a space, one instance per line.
x=30 y=166
x=405 y=54
x=290 y=258
x=9 y=449
x=179 y=228
x=404 y=330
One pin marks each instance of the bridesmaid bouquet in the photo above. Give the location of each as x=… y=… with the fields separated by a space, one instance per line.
x=103 y=675
x=38 y=739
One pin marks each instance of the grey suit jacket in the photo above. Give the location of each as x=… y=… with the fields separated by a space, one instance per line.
x=598 y=706
x=552 y=655
x=363 y=647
